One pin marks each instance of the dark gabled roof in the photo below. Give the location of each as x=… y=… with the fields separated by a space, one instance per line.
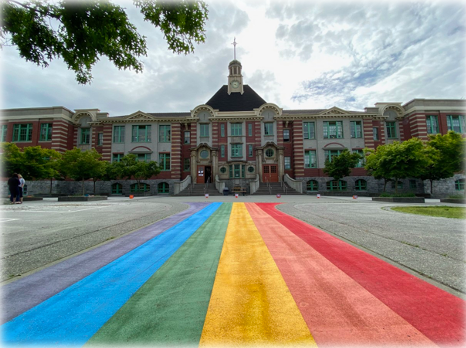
x=247 y=101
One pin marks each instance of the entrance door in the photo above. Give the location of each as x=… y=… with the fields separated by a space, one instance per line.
x=200 y=174
x=208 y=174
x=270 y=173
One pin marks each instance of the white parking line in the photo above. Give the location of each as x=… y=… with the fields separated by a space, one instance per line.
x=50 y=211
x=6 y=220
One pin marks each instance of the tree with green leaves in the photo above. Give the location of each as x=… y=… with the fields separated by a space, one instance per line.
x=446 y=154
x=340 y=166
x=397 y=161
x=129 y=167
x=82 y=165
x=82 y=32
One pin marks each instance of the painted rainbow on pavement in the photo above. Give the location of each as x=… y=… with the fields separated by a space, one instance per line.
x=229 y=274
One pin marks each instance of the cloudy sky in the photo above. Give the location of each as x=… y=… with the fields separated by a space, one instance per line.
x=296 y=54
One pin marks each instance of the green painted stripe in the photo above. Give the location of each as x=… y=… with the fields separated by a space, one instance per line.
x=170 y=308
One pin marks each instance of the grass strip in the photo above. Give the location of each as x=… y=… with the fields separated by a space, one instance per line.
x=435 y=211
x=170 y=307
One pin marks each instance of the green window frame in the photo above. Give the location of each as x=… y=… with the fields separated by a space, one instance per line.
x=3 y=133
x=399 y=186
x=459 y=184
x=117 y=189
x=310 y=159
x=45 y=132
x=116 y=157
x=237 y=171
x=391 y=130
x=333 y=130
x=236 y=150
x=118 y=134
x=362 y=161
x=141 y=134
x=356 y=129
x=286 y=135
x=412 y=184
x=164 y=133
x=287 y=162
x=163 y=187
x=222 y=130
x=250 y=150
x=204 y=130
x=360 y=185
x=432 y=124
x=250 y=129
x=85 y=136
x=268 y=128
x=141 y=187
x=222 y=150
x=309 y=130
x=144 y=157
x=334 y=185
x=22 y=132
x=164 y=161
x=187 y=137
x=100 y=139
x=329 y=154
x=236 y=129
x=312 y=185
x=187 y=164
x=456 y=123
x=375 y=133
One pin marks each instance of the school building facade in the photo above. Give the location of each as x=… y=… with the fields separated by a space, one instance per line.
x=237 y=138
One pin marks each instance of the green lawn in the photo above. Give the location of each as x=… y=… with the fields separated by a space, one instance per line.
x=437 y=211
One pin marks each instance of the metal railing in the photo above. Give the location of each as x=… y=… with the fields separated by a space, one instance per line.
x=206 y=186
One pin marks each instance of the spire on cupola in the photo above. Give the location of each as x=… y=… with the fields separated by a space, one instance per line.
x=235 y=79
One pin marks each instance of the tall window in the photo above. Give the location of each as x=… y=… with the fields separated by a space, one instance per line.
x=141 y=134
x=391 y=130
x=117 y=189
x=329 y=154
x=222 y=130
x=362 y=160
x=45 y=132
x=360 y=185
x=250 y=129
x=85 y=137
x=187 y=165
x=236 y=129
x=100 y=139
x=375 y=133
x=204 y=129
x=335 y=185
x=333 y=129
x=287 y=162
x=163 y=187
x=459 y=184
x=356 y=129
x=309 y=130
x=222 y=150
x=432 y=124
x=456 y=123
x=187 y=137
x=310 y=159
x=164 y=134
x=3 y=133
x=250 y=150
x=144 y=157
x=116 y=157
x=268 y=128
x=164 y=161
x=236 y=150
x=236 y=171
x=119 y=134
x=22 y=132
x=286 y=135
x=312 y=185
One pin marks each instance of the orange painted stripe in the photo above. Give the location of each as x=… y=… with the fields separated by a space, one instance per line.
x=337 y=310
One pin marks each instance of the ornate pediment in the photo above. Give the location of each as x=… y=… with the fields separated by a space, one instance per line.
x=333 y=111
x=140 y=116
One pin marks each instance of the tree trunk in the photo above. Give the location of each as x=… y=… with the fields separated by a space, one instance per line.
x=384 y=184
x=83 y=186
x=50 y=186
x=431 y=187
x=94 y=186
x=396 y=185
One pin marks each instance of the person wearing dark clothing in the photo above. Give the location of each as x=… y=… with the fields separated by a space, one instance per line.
x=13 y=184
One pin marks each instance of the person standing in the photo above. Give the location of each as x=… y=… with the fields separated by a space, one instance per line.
x=19 y=197
x=13 y=185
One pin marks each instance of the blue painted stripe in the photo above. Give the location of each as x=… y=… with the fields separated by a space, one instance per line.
x=75 y=314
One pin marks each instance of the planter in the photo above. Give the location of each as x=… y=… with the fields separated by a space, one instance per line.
x=81 y=198
x=27 y=199
x=399 y=199
x=453 y=200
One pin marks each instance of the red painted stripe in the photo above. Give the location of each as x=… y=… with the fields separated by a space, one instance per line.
x=337 y=310
x=437 y=314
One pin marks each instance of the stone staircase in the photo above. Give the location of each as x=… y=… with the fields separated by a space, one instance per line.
x=198 y=190
x=275 y=188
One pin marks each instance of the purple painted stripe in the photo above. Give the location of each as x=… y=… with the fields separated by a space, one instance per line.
x=25 y=293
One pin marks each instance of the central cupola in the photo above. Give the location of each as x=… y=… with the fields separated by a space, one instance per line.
x=235 y=79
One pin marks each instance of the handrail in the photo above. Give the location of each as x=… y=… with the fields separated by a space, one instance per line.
x=206 y=186
x=219 y=185
x=268 y=185
x=294 y=184
x=180 y=186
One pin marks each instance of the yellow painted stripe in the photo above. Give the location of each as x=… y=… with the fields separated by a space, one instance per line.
x=250 y=302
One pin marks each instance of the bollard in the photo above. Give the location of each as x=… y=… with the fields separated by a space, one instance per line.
x=355 y=197
x=206 y=195
x=278 y=195
x=236 y=195
x=131 y=196
x=318 y=195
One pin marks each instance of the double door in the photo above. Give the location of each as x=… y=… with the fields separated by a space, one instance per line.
x=270 y=173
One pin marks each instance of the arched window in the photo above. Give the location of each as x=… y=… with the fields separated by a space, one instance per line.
x=312 y=185
x=360 y=185
x=135 y=188
x=335 y=185
x=117 y=189
x=163 y=187
x=459 y=184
